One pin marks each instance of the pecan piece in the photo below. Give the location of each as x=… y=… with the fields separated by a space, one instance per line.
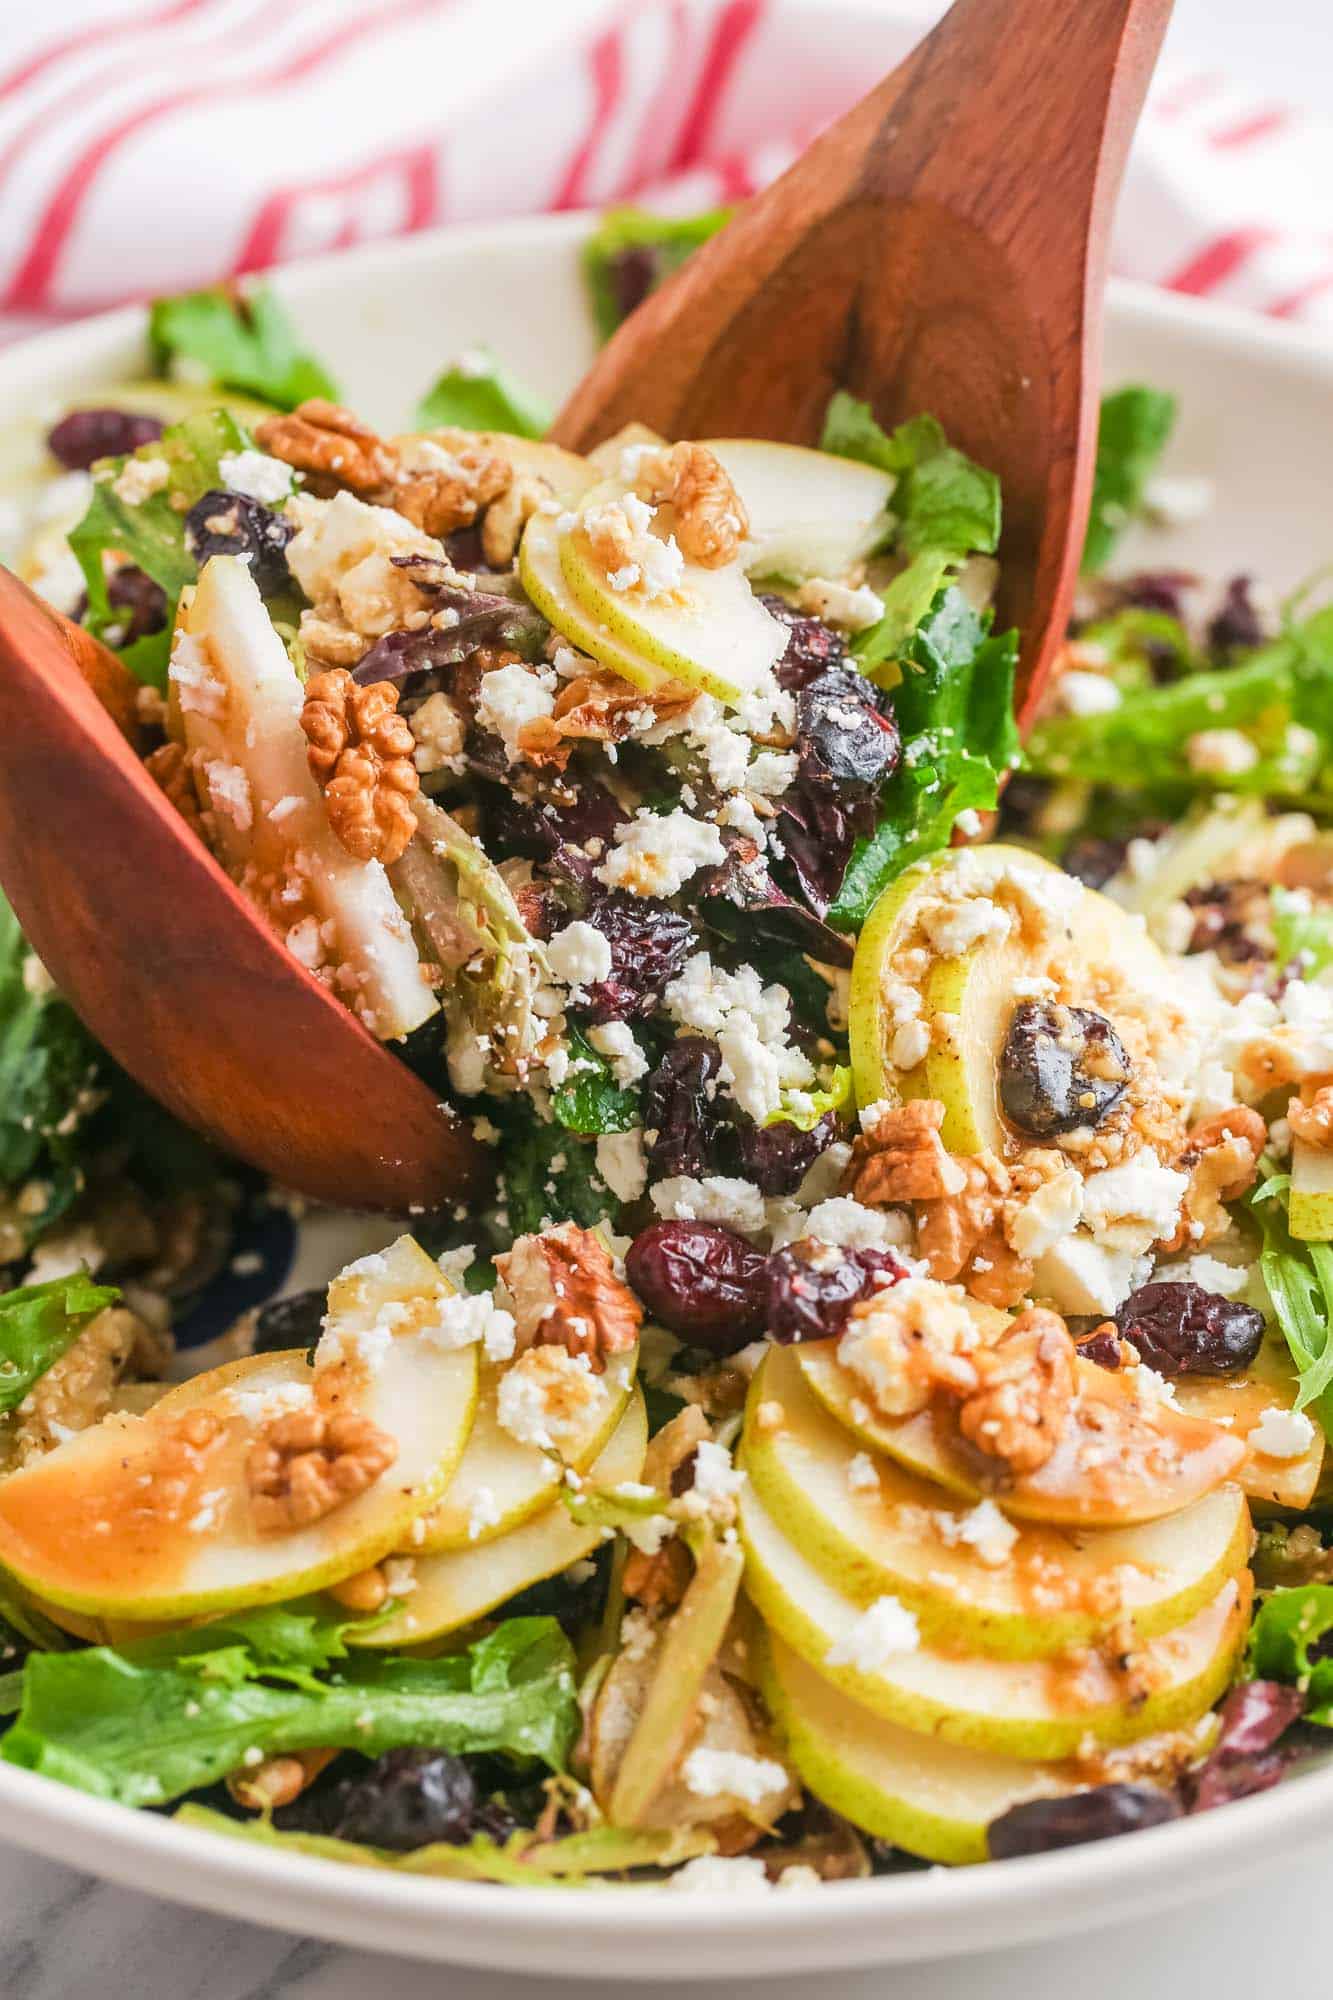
x=566 y=1293
x=711 y=522
x=1024 y=1392
x=305 y=1463
x=902 y=1158
x=361 y=751
x=327 y=441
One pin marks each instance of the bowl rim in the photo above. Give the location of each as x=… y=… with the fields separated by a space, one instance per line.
x=930 y=1912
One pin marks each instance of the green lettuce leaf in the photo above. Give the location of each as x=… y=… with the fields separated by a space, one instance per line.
x=943 y=501
x=954 y=707
x=590 y=1100
x=1298 y=1278
x=1135 y=425
x=1302 y=932
x=156 y=1718
x=1284 y=1644
x=477 y=394
x=243 y=341
x=631 y=243
x=38 y=1323
x=549 y=1174
x=49 y=1073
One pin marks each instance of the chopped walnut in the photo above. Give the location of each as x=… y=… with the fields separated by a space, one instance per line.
x=80 y=1388
x=442 y=487
x=1221 y=1156
x=171 y=770
x=902 y=1158
x=324 y=440
x=566 y=1293
x=439 y=483
x=962 y=1236
x=506 y=518
x=910 y=1342
x=1024 y=1393
x=659 y=1581
x=306 y=1463
x=1310 y=1117
x=361 y=751
x=711 y=522
x=598 y=708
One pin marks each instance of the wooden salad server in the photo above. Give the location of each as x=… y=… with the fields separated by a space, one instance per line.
x=943 y=247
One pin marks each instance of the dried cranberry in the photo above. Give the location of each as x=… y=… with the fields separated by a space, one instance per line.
x=701 y=1281
x=813 y=1287
x=408 y=1798
x=649 y=942
x=741 y=901
x=1233 y=919
x=232 y=524
x=1101 y=1346
x=1179 y=1328
x=84 y=436
x=1245 y=1758
x=811 y=647
x=680 y=1110
x=565 y=813
x=291 y=1322
x=1237 y=626
x=1061 y=1067
x=1094 y=862
x=632 y=273
x=778 y=1157
x=817 y=836
x=131 y=589
x=846 y=747
x=1044 y=1824
x=1163 y=590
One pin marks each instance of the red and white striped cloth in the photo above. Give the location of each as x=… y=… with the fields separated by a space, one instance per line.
x=148 y=148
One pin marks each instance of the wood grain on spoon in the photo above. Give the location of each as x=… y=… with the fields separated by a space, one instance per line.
x=169 y=965
x=943 y=247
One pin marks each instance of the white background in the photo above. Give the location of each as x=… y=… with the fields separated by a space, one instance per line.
x=63 y=1936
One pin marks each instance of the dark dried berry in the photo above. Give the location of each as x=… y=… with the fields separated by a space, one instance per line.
x=778 y=1157
x=1044 y=1824
x=1022 y=803
x=1237 y=626
x=681 y=1115
x=1102 y=1346
x=1164 y=590
x=1094 y=862
x=131 y=589
x=562 y=814
x=701 y=1281
x=1061 y=1067
x=1245 y=1758
x=1179 y=1328
x=846 y=747
x=84 y=436
x=295 y=1321
x=811 y=647
x=232 y=524
x=813 y=1287
x=817 y=835
x=649 y=942
x=1234 y=919
x=632 y=274
x=408 y=1798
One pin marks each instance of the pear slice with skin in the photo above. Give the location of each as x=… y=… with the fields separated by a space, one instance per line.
x=968 y=997
x=1239 y=1402
x=543 y=579
x=1041 y=1709
x=514 y=1481
x=933 y=1799
x=1118 y=1464
x=711 y=633
x=811 y=513
x=877 y=1531
x=461 y=1586
x=1310 y=1203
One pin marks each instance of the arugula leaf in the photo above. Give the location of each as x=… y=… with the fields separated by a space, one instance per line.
x=49 y=1070
x=1285 y=1644
x=1135 y=425
x=1302 y=933
x=943 y=501
x=1280 y=698
x=240 y=341
x=954 y=707
x=146 y=1722
x=1298 y=1278
x=590 y=1100
x=477 y=394
x=632 y=251
x=548 y=1174
x=38 y=1323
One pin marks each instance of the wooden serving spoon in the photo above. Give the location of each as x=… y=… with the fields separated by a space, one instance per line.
x=942 y=248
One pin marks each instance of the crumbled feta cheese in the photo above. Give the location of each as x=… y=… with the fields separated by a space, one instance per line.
x=483 y=1513
x=1221 y=752
x=341 y=556
x=547 y=1397
x=772 y=773
x=968 y=822
x=848 y=1222
x=750 y=1021
x=463 y=1319
x=887 y=1628
x=360 y=1348
x=256 y=475
x=838 y=604
x=615 y=1040
x=653 y=565
x=510 y=698
x=861 y=1474
x=988 y=1531
x=1048 y=1215
x=197 y=688
x=1227 y=1280
x=656 y=853
x=720 y=1875
x=1080 y=693
x=256 y=1406
x=735 y=1203
x=1282 y=1434
x=716 y=1479
x=622 y=1164
x=305 y=943
x=1080 y=1276
x=579 y=955
x=1134 y=1204
x=729 y=1774
x=954 y=928
x=910 y=1045
x=229 y=793
x=139 y=479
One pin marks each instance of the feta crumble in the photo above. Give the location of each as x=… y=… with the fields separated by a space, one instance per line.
x=656 y=853
x=887 y=1628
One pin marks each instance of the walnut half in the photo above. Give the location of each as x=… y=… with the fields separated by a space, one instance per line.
x=1025 y=1391
x=566 y=1293
x=305 y=1463
x=361 y=751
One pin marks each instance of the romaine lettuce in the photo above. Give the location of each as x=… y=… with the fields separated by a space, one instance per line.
x=477 y=394
x=38 y=1323
x=1135 y=425
x=240 y=340
x=632 y=251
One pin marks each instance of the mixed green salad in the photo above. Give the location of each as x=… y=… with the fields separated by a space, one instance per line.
x=880 y=1416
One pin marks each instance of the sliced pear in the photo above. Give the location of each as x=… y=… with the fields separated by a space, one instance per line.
x=251 y=738
x=1241 y=1402
x=607 y=457
x=502 y=1483
x=712 y=633
x=455 y=1589
x=933 y=1799
x=811 y=513
x=971 y=994
x=1310 y=1208
x=885 y=1533
x=1117 y=1465
x=129 y=1520
x=1040 y=1709
x=544 y=580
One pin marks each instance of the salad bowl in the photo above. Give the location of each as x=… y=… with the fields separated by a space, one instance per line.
x=1255 y=400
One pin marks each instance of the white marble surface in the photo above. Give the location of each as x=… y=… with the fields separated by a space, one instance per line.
x=64 y=1935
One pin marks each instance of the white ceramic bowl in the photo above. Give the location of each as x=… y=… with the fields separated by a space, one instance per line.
x=1257 y=412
